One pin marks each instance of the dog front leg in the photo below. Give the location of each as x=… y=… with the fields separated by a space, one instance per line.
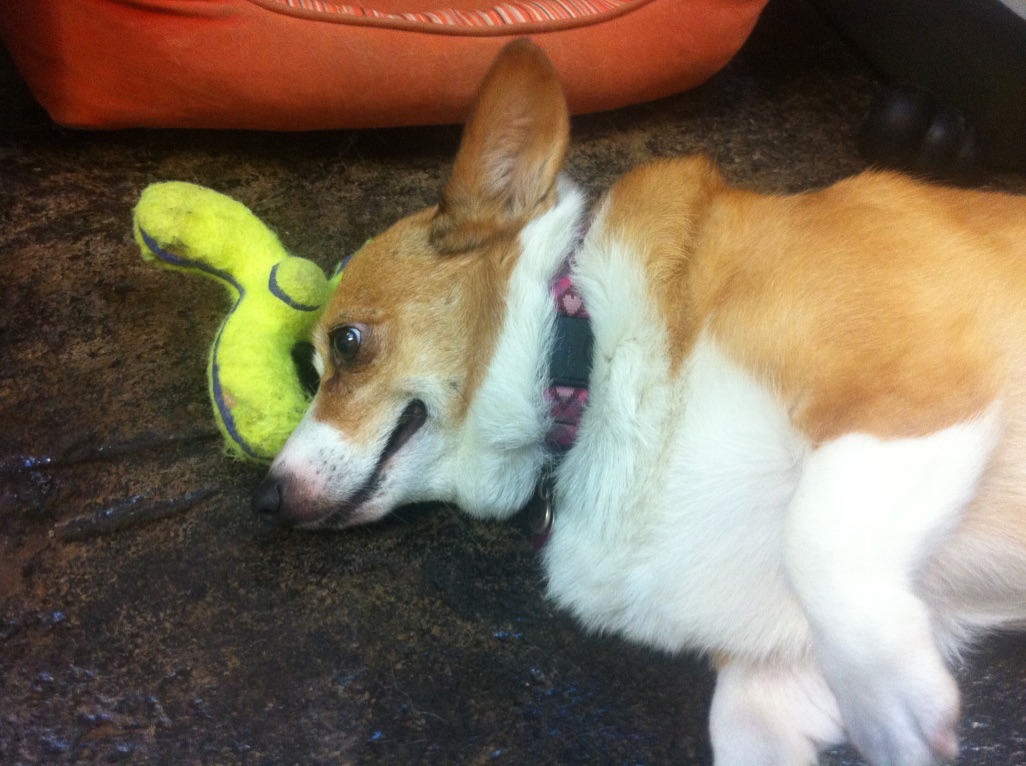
x=770 y=714
x=866 y=515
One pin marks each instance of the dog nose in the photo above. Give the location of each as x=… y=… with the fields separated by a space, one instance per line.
x=267 y=500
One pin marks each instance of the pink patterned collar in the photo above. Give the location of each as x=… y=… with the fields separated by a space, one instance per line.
x=567 y=391
x=569 y=363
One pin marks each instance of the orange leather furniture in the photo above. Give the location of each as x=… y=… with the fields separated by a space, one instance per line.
x=313 y=64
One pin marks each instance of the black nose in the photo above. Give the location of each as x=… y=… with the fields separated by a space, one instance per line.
x=267 y=500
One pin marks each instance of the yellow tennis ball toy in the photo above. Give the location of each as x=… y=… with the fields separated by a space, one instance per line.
x=252 y=377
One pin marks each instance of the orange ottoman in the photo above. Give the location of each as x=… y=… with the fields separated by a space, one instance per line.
x=310 y=64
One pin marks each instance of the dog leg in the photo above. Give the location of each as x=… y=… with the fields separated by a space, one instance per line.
x=866 y=515
x=768 y=714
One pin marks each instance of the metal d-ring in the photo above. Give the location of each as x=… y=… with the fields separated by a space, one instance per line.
x=540 y=517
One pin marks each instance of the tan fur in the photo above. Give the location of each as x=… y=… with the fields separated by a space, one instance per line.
x=400 y=281
x=887 y=314
x=894 y=308
x=877 y=305
x=660 y=209
x=510 y=155
x=447 y=267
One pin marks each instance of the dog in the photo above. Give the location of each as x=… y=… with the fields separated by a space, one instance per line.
x=800 y=442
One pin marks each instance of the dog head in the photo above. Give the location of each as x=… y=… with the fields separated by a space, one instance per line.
x=406 y=341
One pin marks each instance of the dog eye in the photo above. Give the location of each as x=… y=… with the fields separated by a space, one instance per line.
x=346 y=342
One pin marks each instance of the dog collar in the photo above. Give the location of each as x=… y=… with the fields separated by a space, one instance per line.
x=569 y=363
x=567 y=391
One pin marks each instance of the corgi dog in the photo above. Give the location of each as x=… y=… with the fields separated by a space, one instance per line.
x=799 y=444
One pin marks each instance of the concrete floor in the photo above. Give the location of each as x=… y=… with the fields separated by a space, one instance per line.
x=205 y=637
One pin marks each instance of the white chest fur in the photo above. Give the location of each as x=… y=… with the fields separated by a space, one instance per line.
x=671 y=508
x=691 y=514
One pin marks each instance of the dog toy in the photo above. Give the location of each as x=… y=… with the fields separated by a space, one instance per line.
x=254 y=372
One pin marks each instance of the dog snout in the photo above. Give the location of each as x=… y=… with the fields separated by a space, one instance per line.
x=286 y=499
x=267 y=500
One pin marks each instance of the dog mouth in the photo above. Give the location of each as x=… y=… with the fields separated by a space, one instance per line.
x=410 y=421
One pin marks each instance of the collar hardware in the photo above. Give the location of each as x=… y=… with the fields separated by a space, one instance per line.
x=540 y=514
x=566 y=394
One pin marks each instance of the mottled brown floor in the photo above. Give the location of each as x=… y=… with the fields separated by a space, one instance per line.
x=208 y=638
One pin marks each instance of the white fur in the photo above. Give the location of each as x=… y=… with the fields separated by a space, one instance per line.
x=692 y=514
x=772 y=714
x=669 y=527
x=670 y=505
x=497 y=456
x=867 y=515
x=321 y=463
x=329 y=469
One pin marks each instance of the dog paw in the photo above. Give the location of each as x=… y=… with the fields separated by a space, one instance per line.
x=903 y=714
x=769 y=714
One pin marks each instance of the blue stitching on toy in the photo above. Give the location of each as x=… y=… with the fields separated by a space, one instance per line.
x=277 y=292
x=215 y=378
x=177 y=260
x=338 y=269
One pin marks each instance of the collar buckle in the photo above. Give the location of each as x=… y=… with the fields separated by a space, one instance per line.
x=540 y=514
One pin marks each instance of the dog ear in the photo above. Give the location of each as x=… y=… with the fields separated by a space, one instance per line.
x=510 y=155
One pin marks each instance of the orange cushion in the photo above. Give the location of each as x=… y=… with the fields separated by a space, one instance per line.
x=312 y=64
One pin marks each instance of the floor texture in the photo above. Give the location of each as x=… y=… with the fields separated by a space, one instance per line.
x=205 y=637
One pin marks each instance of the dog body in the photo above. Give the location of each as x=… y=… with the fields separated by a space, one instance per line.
x=804 y=447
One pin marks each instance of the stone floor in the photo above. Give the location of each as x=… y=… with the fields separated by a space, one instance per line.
x=205 y=637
